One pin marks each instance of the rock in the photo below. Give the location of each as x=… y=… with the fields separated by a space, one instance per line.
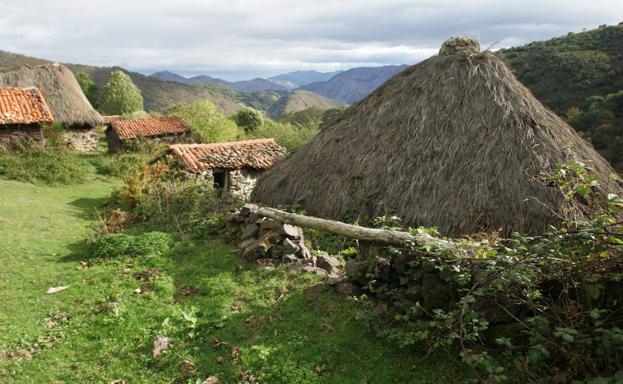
x=187 y=236
x=307 y=268
x=250 y=231
x=248 y=209
x=246 y=243
x=381 y=308
x=161 y=344
x=292 y=231
x=52 y=290
x=351 y=267
x=211 y=380
x=319 y=271
x=188 y=369
x=277 y=252
x=288 y=259
x=290 y=246
x=436 y=293
x=271 y=225
x=309 y=261
x=382 y=268
x=328 y=263
x=304 y=251
x=334 y=279
x=346 y=289
x=256 y=250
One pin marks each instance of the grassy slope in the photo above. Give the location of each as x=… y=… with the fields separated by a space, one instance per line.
x=99 y=330
x=564 y=71
x=299 y=100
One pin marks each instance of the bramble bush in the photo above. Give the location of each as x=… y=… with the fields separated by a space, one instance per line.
x=545 y=308
x=163 y=199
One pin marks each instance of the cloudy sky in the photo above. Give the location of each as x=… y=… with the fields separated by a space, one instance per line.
x=240 y=39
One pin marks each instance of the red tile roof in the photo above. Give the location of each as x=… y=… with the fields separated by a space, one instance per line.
x=257 y=154
x=131 y=129
x=23 y=106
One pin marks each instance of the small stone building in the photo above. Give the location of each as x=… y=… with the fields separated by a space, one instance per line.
x=65 y=99
x=234 y=166
x=121 y=134
x=23 y=111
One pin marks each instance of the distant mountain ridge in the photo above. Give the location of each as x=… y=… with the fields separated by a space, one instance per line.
x=253 y=85
x=354 y=84
x=283 y=82
x=298 y=79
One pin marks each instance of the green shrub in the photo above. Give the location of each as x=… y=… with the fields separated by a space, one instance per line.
x=249 y=119
x=148 y=244
x=111 y=245
x=183 y=206
x=43 y=166
x=206 y=121
x=119 y=164
x=288 y=135
x=121 y=96
x=542 y=308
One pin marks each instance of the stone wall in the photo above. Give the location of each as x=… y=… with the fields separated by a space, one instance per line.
x=240 y=182
x=83 y=140
x=11 y=135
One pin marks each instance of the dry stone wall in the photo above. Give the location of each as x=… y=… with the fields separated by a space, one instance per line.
x=279 y=243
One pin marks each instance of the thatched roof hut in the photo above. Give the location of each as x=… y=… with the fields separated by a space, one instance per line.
x=60 y=89
x=454 y=142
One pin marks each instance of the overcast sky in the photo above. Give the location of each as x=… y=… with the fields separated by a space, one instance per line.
x=240 y=39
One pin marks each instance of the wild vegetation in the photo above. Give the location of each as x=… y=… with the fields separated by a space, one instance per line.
x=116 y=270
x=157 y=269
x=121 y=96
x=571 y=74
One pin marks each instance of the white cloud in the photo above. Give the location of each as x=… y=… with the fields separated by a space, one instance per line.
x=244 y=38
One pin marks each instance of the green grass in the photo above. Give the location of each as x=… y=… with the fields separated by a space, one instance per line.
x=99 y=330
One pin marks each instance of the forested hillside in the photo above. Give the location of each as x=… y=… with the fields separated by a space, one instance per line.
x=580 y=77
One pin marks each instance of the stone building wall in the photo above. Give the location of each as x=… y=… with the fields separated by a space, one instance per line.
x=83 y=140
x=15 y=134
x=240 y=182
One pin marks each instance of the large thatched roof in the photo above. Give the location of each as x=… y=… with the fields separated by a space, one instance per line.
x=60 y=89
x=454 y=142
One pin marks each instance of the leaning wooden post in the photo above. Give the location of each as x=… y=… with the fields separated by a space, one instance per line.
x=349 y=230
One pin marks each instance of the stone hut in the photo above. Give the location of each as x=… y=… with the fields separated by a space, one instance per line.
x=232 y=167
x=22 y=113
x=65 y=98
x=121 y=134
x=454 y=142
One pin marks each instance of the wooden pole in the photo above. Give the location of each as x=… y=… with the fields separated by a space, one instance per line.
x=349 y=230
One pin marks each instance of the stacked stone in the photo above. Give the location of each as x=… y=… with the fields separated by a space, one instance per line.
x=83 y=141
x=263 y=238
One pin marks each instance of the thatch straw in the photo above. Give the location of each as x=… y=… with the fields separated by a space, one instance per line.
x=60 y=89
x=454 y=142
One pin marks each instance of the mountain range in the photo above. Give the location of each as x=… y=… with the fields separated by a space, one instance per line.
x=283 y=82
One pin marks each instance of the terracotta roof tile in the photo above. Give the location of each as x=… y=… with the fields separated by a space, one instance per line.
x=23 y=106
x=257 y=154
x=131 y=129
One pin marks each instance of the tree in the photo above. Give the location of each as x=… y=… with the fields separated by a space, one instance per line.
x=89 y=88
x=121 y=96
x=249 y=119
x=206 y=121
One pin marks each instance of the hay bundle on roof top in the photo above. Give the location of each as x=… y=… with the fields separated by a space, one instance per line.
x=454 y=142
x=60 y=89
